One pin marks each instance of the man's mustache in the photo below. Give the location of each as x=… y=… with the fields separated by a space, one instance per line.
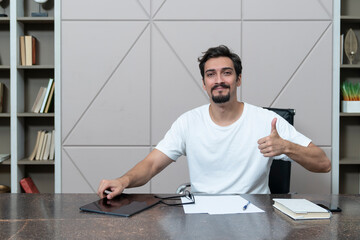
x=223 y=85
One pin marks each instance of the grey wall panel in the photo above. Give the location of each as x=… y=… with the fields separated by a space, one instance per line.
x=120 y=112
x=287 y=9
x=200 y=9
x=72 y=179
x=208 y=34
x=310 y=92
x=92 y=164
x=272 y=53
x=110 y=9
x=303 y=181
x=91 y=52
x=171 y=177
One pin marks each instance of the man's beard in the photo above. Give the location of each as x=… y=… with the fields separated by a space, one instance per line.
x=220 y=98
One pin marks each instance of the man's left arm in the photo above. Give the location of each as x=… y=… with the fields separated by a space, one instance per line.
x=311 y=157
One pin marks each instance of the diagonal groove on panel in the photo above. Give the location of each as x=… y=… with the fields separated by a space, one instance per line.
x=105 y=83
x=181 y=61
x=77 y=168
x=143 y=8
x=297 y=69
x=159 y=8
x=325 y=8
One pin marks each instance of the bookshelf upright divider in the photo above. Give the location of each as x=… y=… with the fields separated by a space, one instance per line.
x=349 y=123
x=25 y=84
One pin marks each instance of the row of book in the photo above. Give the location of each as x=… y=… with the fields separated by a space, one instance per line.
x=27 y=50
x=44 y=98
x=44 y=147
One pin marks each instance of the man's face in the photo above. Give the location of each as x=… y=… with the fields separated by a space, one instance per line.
x=220 y=81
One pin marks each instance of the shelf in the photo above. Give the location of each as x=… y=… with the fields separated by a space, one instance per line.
x=34 y=162
x=4 y=20
x=350 y=66
x=36 y=19
x=342 y=114
x=6 y=162
x=4 y=115
x=35 y=114
x=5 y=67
x=349 y=161
x=36 y=67
x=350 y=18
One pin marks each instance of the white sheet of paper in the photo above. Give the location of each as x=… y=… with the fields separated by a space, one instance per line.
x=222 y=204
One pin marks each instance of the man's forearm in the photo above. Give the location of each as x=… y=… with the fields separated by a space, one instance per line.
x=311 y=157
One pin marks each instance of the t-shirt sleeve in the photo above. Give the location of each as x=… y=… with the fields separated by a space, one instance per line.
x=173 y=144
x=288 y=132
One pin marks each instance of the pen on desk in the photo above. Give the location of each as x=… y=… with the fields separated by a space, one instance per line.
x=246 y=205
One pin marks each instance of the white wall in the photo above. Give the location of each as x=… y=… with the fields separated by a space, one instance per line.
x=129 y=69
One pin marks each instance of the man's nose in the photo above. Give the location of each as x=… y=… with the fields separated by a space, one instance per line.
x=218 y=79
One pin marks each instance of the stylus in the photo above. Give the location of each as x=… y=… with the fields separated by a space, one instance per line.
x=107 y=191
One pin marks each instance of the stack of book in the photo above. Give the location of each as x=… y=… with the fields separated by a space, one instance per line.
x=44 y=147
x=27 y=50
x=44 y=98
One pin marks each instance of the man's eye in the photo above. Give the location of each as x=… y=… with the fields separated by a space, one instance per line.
x=227 y=73
x=210 y=74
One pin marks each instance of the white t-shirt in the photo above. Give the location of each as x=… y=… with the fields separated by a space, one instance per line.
x=226 y=159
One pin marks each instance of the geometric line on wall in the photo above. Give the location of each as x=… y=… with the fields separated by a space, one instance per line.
x=158 y=7
x=105 y=83
x=78 y=169
x=107 y=120
x=325 y=8
x=188 y=50
x=182 y=62
x=147 y=12
x=299 y=66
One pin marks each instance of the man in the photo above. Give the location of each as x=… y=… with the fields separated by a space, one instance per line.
x=229 y=144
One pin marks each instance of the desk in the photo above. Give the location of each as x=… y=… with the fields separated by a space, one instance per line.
x=57 y=216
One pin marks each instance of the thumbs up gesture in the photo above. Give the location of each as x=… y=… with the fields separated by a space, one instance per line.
x=272 y=145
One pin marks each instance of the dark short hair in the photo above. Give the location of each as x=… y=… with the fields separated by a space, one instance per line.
x=220 y=51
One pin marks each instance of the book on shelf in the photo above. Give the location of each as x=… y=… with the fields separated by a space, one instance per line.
x=43 y=149
x=22 y=51
x=1 y=96
x=50 y=98
x=33 y=154
x=52 y=146
x=28 y=185
x=4 y=156
x=47 y=146
x=47 y=95
x=41 y=143
x=30 y=50
x=300 y=209
x=39 y=99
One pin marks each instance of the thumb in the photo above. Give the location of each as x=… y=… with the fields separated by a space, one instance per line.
x=273 y=125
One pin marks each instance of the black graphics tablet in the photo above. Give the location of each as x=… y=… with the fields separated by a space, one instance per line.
x=124 y=205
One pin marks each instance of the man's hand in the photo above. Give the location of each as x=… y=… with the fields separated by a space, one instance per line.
x=272 y=145
x=116 y=187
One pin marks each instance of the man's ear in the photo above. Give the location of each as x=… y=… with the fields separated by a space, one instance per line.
x=203 y=84
x=238 y=81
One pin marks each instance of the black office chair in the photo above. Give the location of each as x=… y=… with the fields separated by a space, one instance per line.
x=280 y=170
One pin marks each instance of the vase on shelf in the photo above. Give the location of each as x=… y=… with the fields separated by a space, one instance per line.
x=350 y=106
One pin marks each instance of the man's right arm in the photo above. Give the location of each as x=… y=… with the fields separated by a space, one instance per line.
x=139 y=175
